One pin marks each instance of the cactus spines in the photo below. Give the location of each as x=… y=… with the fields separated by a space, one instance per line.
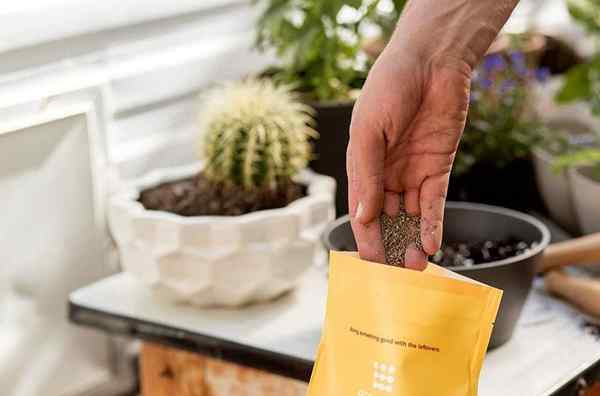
x=254 y=134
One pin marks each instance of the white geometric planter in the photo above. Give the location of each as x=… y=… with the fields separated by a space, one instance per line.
x=220 y=260
x=586 y=197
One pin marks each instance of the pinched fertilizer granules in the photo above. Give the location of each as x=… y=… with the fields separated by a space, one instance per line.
x=398 y=233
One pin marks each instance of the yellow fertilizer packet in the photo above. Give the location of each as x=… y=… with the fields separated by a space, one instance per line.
x=393 y=331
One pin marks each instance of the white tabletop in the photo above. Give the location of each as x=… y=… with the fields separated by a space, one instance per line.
x=550 y=347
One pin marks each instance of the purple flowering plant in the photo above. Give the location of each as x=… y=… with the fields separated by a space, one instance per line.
x=500 y=125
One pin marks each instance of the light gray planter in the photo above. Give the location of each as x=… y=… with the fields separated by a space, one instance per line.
x=220 y=260
x=555 y=189
x=586 y=197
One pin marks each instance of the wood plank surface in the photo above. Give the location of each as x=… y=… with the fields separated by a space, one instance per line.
x=166 y=371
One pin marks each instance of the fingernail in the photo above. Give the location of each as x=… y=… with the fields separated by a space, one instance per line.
x=415 y=259
x=359 y=210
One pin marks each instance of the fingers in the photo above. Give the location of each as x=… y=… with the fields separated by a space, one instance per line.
x=392 y=202
x=368 y=240
x=411 y=202
x=368 y=150
x=352 y=195
x=368 y=236
x=433 y=200
x=415 y=259
x=365 y=162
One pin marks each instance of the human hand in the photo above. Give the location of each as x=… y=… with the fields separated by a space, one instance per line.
x=408 y=121
x=405 y=130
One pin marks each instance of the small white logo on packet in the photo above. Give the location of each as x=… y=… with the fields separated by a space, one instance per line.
x=384 y=376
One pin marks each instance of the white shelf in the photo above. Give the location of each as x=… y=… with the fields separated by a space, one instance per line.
x=550 y=347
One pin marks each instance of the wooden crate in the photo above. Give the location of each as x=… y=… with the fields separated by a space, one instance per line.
x=166 y=371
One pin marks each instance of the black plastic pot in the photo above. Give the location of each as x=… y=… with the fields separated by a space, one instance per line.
x=333 y=125
x=512 y=186
x=476 y=222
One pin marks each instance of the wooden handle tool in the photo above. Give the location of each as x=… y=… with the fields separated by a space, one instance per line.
x=582 y=292
x=577 y=251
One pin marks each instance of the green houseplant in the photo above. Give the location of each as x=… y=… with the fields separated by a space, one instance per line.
x=567 y=163
x=582 y=82
x=492 y=165
x=243 y=224
x=318 y=45
x=583 y=167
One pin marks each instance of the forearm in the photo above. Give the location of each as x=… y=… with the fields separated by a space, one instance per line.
x=451 y=29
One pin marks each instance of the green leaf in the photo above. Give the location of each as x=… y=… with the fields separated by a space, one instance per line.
x=584 y=157
x=354 y=3
x=576 y=85
x=311 y=44
x=587 y=13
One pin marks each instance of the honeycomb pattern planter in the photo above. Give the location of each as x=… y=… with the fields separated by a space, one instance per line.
x=220 y=260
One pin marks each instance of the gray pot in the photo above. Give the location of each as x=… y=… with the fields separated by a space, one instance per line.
x=473 y=222
x=586 y=197
x=555 y=189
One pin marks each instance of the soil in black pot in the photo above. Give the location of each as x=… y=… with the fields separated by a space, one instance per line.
x=197 y=196
x=468 y=254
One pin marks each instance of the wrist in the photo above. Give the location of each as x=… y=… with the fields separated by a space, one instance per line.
x=457 y=32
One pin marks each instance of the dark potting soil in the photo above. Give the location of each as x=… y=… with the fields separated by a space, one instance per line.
x=460 y=254
x=197 y=196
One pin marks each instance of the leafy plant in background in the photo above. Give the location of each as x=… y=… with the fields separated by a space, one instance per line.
x=256 y=135
x=318 y=44
x=584 y=157
x=583 y=81
x=386 y=15
x=500 y=126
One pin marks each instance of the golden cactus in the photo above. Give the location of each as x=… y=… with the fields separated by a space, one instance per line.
x=254 y=134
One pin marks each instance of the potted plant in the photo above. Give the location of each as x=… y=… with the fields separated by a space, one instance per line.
x=242 y=225
x=564 y=138
x=584 y=176
x=317 y=43
x=493 y=163
x=570 y=104
x=582 y=83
